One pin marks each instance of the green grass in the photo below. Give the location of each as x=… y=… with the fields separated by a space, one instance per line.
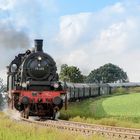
x=117 y=110
x=124 y=105
x=13 y=130
x=127 y=105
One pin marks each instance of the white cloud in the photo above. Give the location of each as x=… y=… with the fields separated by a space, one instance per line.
x=117 y=8
x=29 y=15
x=111 y=39
x=10 y=4
x=73 y=27
x=75 y=58
x=109 y=35
x=7 y=4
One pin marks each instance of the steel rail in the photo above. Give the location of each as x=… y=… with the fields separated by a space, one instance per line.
x=89 y=129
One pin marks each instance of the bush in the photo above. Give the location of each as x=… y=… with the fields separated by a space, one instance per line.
x=134 y=89
x=120 y=90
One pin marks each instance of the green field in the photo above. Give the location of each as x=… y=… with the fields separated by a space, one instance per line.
x=127 y=105
x=117 y=109
x=124 y=106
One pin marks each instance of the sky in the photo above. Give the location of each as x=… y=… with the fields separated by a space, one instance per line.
x=87 y=34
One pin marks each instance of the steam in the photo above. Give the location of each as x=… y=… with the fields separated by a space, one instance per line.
x=13 y=114
x=12 y=38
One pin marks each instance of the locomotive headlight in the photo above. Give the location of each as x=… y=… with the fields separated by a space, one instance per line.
x=39 y=58
x=56 y=85
x=24 y=85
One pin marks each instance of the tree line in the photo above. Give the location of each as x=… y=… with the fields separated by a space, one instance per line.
x=108 y=73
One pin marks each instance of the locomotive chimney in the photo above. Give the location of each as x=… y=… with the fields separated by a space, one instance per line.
x=38 y=45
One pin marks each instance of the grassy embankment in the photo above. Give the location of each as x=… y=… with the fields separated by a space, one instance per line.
x=119 y=109
x=13 y=130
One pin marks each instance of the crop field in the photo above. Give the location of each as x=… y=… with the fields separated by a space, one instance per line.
x=116 y=110
x=127 y=105
x=16 y=130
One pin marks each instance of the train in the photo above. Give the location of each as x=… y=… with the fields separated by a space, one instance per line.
x=81 y=91
x=33 y=84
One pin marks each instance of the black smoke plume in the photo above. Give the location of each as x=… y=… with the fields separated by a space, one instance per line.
x=12 y=39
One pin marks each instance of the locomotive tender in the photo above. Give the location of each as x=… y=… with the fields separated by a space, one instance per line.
x=32 y=84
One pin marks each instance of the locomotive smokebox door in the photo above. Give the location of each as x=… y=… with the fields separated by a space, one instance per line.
x=38 y=45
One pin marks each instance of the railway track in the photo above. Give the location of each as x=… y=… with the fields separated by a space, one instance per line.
x=88 y=129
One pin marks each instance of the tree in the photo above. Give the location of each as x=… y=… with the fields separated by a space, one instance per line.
x=70 y=74
x=107 y=73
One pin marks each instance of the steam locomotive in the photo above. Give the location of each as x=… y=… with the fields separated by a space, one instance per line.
x=32 y=84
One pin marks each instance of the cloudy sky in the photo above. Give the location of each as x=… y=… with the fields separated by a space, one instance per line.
x=86 y=34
